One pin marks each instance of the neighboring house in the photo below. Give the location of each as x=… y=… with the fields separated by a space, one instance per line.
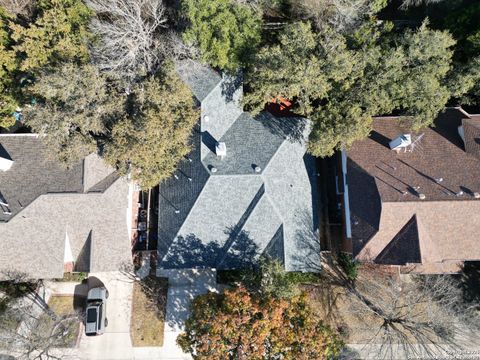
x=54 y=219
x=416 y=205
x=248 y=187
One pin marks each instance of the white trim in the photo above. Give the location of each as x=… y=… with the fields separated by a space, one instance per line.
x=67 y=254
x=19 y=135
x=130 y=209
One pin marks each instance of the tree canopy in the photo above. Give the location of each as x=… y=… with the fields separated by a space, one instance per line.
x=57 y=34
x=73 y=110
x=340 y=81
x=8 y=65
x=225 y=32
x=157 y=136
x=237 y=325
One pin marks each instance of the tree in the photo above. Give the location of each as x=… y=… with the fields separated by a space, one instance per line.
x=8 y=66
x=226 y=32
x=237 y=325
x=59 y=33
x=132 y=39
x=341 y=15
x=341 y=82
x=405 y=316
x=155 y=138
x=269 y=279
x=19 y=7
x=32 y=333
x=28 y=327
x=423 y=316
x=462 y=22
x=301 y=67
x=73 y=111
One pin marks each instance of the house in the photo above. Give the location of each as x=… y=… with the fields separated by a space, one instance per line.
x=248 y=187
x=413 y=199
x=54 y=219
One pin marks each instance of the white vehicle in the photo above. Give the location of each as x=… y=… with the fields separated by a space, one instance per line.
x=95 y=319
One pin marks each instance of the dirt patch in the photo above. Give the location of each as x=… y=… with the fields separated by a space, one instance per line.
x=62 y=306
x=338 y=308
x=148 y=312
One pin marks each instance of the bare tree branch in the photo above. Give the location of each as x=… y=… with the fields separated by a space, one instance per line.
x=132 y=36
x=19 y=7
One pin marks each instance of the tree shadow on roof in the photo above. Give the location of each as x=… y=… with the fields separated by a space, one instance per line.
x=230 y=85
x=292 y=128
x=447 y=125
x=191 y=252
x=307 y=246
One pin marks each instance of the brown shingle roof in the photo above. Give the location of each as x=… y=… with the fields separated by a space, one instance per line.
x=439 y=155
x=385 y=185
x=472 y=135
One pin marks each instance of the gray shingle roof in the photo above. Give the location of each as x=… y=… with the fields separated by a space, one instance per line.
x=225 y=219
x=33 y=173
x=201 y=79
x=249 y=143
x=33 y=242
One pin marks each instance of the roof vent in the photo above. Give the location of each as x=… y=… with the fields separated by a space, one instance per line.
x=206 y=118
x=400 y=142
x=258 y=169
x=476 y=195
x=213 y=169
x=5 y=163
x=421 y=196
x=221 y=149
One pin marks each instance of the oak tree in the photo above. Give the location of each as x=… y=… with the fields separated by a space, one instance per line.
x=73 y=111
x=237 y=325
x=155 y=137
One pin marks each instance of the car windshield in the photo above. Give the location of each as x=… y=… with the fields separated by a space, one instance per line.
x=91 y=315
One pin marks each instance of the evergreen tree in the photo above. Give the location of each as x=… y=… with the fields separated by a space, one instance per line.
x=225 y=32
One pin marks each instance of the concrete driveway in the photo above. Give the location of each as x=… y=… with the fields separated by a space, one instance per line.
x=183 y=286
x=115 y=343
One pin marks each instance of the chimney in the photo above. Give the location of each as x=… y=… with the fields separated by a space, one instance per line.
x=400 y=142
x=221 y=149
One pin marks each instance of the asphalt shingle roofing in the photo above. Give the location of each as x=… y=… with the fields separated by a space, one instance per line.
x=228 y=213
x=384 y=188
x=88 y=204
x=33 y=174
